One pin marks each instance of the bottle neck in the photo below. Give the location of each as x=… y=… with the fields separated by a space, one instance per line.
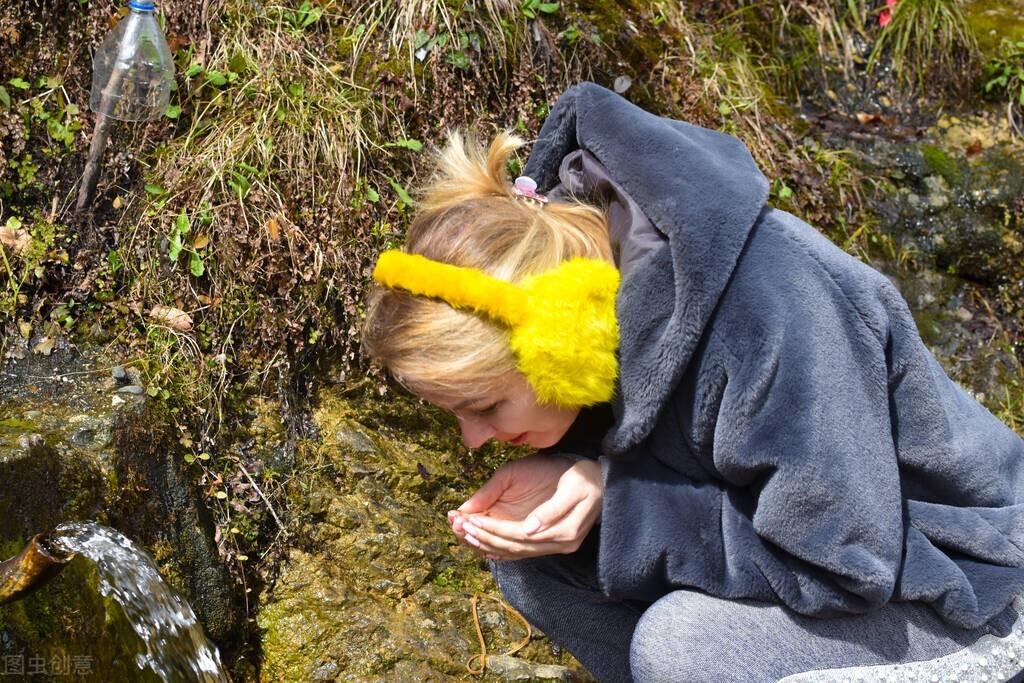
x=142 y=6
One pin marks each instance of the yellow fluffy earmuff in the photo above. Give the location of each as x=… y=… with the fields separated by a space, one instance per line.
x=561 y=322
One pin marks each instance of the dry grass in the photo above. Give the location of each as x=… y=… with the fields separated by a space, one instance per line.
x=735 y=86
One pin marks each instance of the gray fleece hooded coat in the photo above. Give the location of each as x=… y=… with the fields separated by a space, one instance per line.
x=780 y=432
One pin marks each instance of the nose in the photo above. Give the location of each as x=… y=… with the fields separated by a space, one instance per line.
x=475 y=432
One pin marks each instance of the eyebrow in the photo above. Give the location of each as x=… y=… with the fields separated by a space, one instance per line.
x=465 y=404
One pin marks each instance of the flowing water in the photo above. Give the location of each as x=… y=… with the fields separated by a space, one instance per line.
x=175 y=647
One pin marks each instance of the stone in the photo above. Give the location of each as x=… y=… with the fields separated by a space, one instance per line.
x=515 y=669
x=30 y=441
x=327 y=671
x=352 y=438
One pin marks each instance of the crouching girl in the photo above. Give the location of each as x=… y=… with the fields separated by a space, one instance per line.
x=750 y=467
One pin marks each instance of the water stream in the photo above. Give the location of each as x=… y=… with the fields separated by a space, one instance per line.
x=175 y=647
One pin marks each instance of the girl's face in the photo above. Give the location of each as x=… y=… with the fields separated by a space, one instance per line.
x=510 y=414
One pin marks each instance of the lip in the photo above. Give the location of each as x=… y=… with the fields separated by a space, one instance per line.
x=519 y=440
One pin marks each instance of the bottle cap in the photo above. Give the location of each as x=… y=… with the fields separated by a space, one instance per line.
x=142 y=5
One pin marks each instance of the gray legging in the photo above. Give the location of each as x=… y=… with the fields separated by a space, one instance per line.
x=689 y=636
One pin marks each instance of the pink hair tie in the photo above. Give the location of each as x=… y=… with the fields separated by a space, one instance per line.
x=526 y=187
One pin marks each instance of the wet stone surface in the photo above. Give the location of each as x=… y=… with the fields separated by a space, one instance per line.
x=73 y=447
x=377 y=588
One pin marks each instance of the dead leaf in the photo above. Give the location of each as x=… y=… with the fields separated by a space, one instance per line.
x=15 y=239
x=44 y=347
x=974 y=148
x=175 y=318
x=273 y=229
x=114 y=18
x=176 y=41
x=865 y=118
x=25 y=328
x=118 y=202
x=201 y=242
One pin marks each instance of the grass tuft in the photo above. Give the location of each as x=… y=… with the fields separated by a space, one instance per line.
x=924 y=38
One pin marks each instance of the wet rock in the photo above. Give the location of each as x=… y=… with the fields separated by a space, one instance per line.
x=66 y=454
x=326 y=671
x=158 y=503
x=268 y=435
x=89 y=430
x=133 y=389
x=954 y=203
x=351 y=437
x=938 y=191
x=30 y=441
x=375 y=583
x=515 y=669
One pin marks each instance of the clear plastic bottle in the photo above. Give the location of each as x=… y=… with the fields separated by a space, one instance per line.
x=133 y=70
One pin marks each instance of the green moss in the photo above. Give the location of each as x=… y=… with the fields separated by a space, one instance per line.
x=993 y=20
x=69 y=618
x=942 y=163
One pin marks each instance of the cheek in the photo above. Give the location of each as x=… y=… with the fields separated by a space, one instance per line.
x=553 y=420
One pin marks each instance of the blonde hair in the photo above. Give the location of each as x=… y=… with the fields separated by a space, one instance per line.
x=469 y=216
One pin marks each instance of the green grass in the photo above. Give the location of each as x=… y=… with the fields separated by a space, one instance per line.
x=1004 y=78
x=925 y=38
x=1010 y=407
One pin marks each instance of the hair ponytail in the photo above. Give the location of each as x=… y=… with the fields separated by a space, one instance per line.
x=464 y=172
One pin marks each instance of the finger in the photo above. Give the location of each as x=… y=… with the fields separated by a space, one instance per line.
x=488 y=542
x=566 y=497
x=487 y=495
x=492 y=552
x=464 y=541
x=572 y=528
x=509 y=529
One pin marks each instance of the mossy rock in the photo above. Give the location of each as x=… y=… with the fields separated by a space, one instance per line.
x=67 y=628
x=80 y=450
x=942 y=163
x=375 y=586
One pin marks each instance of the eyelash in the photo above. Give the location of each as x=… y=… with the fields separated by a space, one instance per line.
x=484 y=412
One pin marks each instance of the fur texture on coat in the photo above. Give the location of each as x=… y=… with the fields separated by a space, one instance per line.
x=781 y=432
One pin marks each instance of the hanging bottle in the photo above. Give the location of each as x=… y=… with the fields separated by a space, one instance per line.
x=133 y=70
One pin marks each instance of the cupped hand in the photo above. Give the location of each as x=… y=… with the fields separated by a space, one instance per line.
x=538 y=505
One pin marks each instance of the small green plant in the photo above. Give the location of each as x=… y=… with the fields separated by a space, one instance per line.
x=305 y=16
x=781 y=190
x=413 y=144
x=27 y=171
x=176 y=244
x=532 y=8
x=1004 y=75
x=25 y=248
x=404 y=199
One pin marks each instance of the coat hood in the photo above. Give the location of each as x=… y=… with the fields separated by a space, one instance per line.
x=699 y=188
